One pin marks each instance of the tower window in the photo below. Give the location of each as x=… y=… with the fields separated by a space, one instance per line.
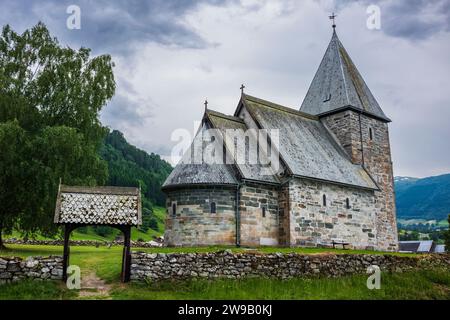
x=213 y=207
x=264 y=212
x=324 y=200
x=174 y=208
x=347 y=203
x=370 y=134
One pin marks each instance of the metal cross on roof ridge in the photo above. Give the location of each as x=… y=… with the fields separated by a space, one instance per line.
x=206 y=103
x=242 y=88
x=333 y=17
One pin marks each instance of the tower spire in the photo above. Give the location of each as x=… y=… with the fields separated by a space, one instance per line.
x=338 y=84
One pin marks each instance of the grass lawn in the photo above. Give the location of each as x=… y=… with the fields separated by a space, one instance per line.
x=105 y=263
x=410 y=285
x=32 y=290
x=91 y=235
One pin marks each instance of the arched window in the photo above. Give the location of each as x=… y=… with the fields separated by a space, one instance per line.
x=370 y=134
x=174 y=208
x=324 y=200
x=347 y=203
x=213 y=207
x=264 y=212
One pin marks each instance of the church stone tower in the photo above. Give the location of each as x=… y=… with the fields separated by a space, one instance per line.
x=345 y=105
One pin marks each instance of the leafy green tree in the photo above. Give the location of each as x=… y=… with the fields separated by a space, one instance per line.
x=103 y=231
x=12 y=140
x=153 y=223
x=50 y=99
x=447 y=236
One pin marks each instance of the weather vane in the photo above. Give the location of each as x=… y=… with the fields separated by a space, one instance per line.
x=333 y=17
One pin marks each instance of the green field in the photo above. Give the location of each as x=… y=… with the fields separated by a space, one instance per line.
x=136 y=234
x=105 y=263
x=408 y=222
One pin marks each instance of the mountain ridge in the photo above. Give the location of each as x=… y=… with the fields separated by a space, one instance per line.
x=423 y=198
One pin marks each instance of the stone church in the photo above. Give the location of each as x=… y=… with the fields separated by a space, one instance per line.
x=334 y=182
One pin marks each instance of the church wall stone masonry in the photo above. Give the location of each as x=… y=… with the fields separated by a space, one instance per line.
x=315 y=224
x=192 y=222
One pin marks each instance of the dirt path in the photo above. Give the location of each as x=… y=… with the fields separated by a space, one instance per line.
x=92 y=287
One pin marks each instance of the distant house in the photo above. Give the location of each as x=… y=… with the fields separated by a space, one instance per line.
x=422 y=246
x=440 y=248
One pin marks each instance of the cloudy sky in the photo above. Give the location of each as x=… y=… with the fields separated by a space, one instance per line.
x=172 y=54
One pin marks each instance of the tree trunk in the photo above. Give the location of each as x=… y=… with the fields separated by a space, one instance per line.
x=2 y=246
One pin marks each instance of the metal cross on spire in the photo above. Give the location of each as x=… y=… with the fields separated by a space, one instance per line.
x=333 y=17
x=242 y=88
x=206 y=104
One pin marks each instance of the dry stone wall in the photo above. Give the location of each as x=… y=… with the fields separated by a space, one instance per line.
x=225 y=264
x=35 y=268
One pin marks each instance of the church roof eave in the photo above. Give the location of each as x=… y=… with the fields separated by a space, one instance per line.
x=350 y=107
x=201 y=184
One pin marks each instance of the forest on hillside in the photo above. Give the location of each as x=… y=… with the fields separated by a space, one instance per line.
x=129 y=166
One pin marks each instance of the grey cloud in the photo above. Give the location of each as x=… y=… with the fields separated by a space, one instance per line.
x=418 y=19
x=161 y=149
x=124 y=111
x=112 y=26
x=410 y=19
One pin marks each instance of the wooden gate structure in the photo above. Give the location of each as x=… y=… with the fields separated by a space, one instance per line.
x=117 y=207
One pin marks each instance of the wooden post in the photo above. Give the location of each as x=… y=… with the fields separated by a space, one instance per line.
x=126 y=258
x=67 y=231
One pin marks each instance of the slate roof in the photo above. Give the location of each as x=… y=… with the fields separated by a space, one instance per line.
x=306 y=146
x=338 y=85
x=440 y=248
x=249 y=171
x=419 y=246
x=98 y=205
x=408 y=246
x=192 y=172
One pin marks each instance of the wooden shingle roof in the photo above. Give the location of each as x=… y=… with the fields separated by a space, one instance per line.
x=98 y=205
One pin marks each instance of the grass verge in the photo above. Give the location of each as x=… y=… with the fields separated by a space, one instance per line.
x=36 y=290
x=429 y=284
